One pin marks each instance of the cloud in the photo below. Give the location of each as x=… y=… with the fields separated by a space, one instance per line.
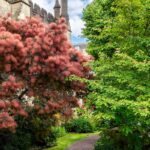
x=76 y=25
x=75 y=12
x=75 y=7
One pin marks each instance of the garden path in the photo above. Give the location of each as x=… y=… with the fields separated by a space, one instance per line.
x=85 y=144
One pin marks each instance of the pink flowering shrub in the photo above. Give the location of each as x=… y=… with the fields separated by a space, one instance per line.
x=36 y=58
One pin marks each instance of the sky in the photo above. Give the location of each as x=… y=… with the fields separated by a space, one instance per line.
x=75 y=13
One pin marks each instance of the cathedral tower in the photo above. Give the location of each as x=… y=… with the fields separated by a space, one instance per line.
x=57 y=9
x=65 y=14
x=64 y=9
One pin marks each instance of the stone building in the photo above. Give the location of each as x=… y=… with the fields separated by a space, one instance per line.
x=22 y=8
x=81 y=47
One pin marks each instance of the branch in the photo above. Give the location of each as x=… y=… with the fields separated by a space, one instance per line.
x=23 y=93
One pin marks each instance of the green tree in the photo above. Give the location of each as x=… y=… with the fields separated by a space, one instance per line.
x=119 y=39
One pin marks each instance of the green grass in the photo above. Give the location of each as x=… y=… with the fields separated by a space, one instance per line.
x=65 y=141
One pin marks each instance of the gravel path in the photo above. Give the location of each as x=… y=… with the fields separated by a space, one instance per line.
x=85 y=144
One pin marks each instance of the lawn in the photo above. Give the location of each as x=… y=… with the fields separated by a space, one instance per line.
x=66 y=141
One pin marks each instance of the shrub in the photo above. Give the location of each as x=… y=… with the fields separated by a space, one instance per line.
x=89 y=115
x=59 y=131
x=79 y=125
x=15 y=141
x=113 y=140
x=40 y=128
x=101 y=145
x=35 y=60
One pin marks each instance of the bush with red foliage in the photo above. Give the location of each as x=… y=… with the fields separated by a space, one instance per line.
x=35 y=60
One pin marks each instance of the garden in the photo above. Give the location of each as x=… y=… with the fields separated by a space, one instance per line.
x=52 y=95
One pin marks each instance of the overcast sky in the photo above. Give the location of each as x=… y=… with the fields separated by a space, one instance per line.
x=75 y=13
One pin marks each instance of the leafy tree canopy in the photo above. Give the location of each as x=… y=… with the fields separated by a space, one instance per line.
x=119 y=38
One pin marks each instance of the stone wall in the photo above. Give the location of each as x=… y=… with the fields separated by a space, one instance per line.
x=5 y=8
x=21 y=9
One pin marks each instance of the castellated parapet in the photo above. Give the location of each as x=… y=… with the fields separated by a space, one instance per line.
x=36 y=10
